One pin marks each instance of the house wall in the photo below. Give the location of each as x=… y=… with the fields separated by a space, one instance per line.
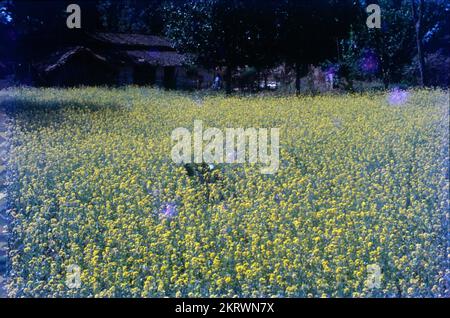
x=125 y=75
x=78 y=71
x=144 y=75
x=159 y=76
x=181 y=79
x=84 y=69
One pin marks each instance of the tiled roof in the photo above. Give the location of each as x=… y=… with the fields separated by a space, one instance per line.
x=131 y=39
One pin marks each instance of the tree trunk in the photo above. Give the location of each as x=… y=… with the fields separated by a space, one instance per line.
x=258 y=80
x=228 y=77
x=417 y=17
x=385 y=76
x=383 y=58
x=298 y=75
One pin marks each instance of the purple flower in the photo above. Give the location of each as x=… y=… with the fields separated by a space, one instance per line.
x=169 y=211
x=397 y=97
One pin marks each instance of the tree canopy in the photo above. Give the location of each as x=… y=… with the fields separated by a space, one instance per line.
x=252 y=33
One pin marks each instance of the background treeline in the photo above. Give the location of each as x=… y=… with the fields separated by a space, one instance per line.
x=255 y=36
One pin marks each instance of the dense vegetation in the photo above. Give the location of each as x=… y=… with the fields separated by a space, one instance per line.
x=258 y=34
x=363 y=180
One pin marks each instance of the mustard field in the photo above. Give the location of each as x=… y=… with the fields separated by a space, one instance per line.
x=362 y=183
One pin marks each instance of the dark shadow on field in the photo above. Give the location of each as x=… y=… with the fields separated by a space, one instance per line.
x=14 y=104
x=48 y=112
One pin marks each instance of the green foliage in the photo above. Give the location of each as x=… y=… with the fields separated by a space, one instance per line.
x=131 y=16
x=189 y=24
x=394 y=44
x=254 y=33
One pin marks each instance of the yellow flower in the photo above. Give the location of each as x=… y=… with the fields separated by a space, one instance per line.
x=360 y=183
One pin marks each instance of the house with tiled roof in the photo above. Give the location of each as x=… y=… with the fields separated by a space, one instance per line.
x=115 y=59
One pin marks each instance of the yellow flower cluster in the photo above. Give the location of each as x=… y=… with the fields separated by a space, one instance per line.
x=360 y=182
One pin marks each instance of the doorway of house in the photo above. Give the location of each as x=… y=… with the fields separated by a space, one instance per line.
x=169 y=77
x=145 y=75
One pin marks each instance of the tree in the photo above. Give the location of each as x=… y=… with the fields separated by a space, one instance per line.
x=6 y=30
x=417 y=11
x=234 y=33
x=392 y=43
x=221 y=33
x=131 y=16
x=41 y=25
x=311 y=30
